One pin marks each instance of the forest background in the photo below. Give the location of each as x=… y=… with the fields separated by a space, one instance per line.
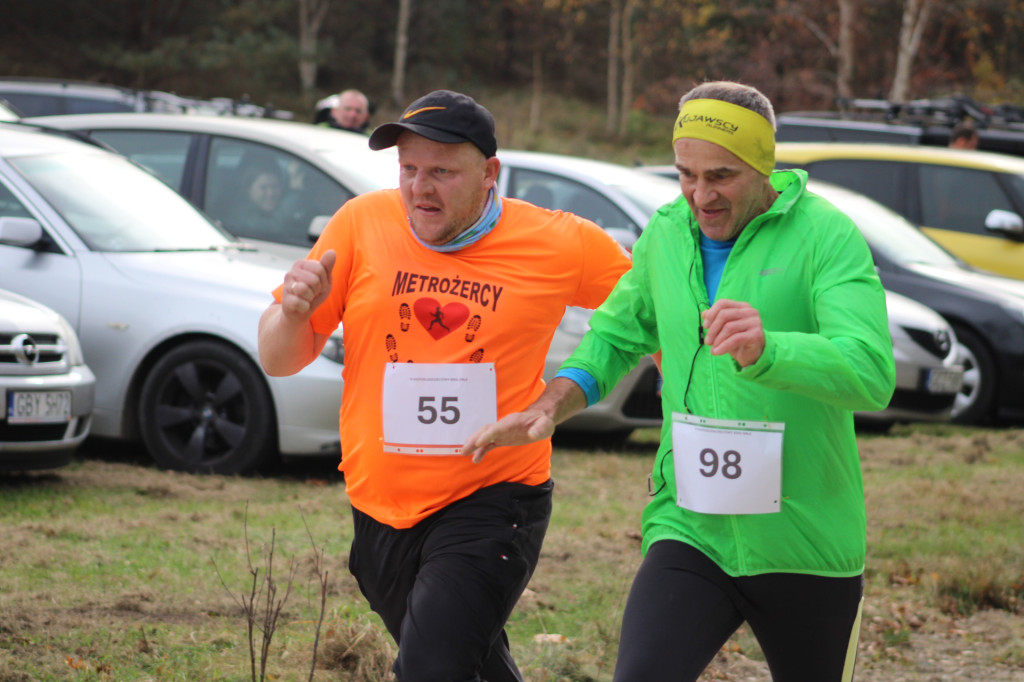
x=532 y=62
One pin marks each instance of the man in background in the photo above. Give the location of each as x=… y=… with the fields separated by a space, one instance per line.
x=963 y=136
x=349 y=110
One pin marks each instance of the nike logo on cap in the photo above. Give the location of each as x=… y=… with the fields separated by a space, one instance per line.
x=420 y=111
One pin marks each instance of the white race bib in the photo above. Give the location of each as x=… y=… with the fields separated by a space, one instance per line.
x=727 y=467
x=431 y=409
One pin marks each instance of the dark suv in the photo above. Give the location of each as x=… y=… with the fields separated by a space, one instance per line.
x=919 y=122
x=51 y=96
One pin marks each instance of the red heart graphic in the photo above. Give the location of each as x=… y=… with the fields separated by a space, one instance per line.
x=439 y=320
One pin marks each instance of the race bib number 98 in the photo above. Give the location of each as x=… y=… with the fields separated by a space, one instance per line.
x=431 y=409
x=727 y=467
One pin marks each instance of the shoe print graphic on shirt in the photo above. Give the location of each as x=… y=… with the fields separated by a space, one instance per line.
x=392 y=347
x=439 y=320
x=404 y=315
x=472 y=327
x=477 y=355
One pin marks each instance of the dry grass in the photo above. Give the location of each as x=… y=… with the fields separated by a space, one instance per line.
x=108 y=568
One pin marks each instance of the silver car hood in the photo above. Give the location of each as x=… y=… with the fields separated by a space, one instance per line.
x=19 y=314
x=209 y=274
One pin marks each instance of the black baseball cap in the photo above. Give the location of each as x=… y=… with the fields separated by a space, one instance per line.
x=442 y=116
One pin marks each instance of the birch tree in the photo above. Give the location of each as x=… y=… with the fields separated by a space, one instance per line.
x=311 y=18
x=915 y=17
x=847 y=49
x=401 y=53
x=628 y=66
x=614 y=59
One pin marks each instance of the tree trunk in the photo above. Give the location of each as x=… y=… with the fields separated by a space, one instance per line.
x=401 y=53
x=847 y=48
x=628 y=66
x=614 y=43
x=915 y=16
x=311 y=18
x=538 y=87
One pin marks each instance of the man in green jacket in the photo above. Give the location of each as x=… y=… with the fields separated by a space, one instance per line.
x=771 y=322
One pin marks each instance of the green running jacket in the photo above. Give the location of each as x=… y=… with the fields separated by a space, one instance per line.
x=808 y=271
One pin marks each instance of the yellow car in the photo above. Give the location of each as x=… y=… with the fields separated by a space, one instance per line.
x=970 y=202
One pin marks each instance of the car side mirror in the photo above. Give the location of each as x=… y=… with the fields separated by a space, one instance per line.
x=316 y=226
x=20 y=231
x=1006 y=222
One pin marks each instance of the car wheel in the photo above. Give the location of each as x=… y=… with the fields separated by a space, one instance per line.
x=974 y=402
x=607 y=440
x=873 y=426
x=205 y=408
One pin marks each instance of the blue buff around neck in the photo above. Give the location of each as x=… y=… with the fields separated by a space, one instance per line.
x=484 y=224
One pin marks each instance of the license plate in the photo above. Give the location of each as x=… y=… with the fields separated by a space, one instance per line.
x=945 y=380
x=38 y=407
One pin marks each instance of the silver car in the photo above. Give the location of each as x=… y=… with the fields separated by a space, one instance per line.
x=166 y=307
x=46 y=389
x=928 y=373
x=621 y=200
x=208 y=158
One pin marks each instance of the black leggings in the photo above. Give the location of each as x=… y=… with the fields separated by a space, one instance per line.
x=682 y=608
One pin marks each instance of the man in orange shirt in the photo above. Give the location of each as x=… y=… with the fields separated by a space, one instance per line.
x=449 y=296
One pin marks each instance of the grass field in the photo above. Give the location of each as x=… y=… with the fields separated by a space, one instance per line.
x=113 y=570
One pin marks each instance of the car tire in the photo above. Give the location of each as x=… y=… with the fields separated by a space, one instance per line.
x=606 y=440
x=975 y=401
x=876 y=427
x=205 y=408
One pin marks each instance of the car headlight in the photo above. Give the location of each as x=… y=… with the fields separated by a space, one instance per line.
x=334 y=349
x=70 y=338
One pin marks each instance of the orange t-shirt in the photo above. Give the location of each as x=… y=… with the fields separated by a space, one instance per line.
x=497 y=301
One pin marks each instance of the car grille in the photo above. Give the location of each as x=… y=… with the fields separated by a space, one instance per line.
x=644 y=402
x=22 y=353
x=918 y=401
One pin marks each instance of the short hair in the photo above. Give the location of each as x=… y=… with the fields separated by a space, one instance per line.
x=964 y=130
x=741 y=95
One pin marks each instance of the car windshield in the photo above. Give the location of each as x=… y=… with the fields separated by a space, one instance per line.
x=886 y=231
x=6 y=113
x=1016 y=181
x=115 y=206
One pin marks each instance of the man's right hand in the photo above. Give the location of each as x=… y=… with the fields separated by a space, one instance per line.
x=307 y=285
x=518 y=428
x=287 y=342
x=561 y=399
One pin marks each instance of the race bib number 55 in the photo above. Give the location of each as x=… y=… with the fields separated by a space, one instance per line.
x=431 y=409
x=727 y=467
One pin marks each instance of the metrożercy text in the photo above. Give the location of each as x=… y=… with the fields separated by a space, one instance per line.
x=482 y=293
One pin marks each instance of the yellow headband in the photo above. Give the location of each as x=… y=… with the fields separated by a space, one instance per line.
x=743 y=132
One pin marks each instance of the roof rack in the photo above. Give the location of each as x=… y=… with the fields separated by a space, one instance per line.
x=143 y=100
x=943 y=111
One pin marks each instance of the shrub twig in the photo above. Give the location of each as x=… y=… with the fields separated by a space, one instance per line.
x=262 y=606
